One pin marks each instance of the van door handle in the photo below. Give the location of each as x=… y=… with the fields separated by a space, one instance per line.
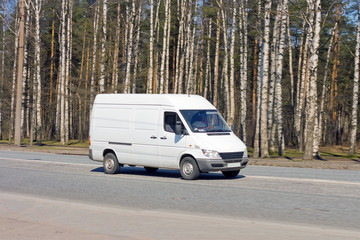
x=163 y=138
x=153 y=137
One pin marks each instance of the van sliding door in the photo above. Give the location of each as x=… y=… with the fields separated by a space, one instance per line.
x=145 y=137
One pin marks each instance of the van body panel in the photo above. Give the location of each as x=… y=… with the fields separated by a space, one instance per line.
x=229 y=142
x=141 y=129
x=145 y=136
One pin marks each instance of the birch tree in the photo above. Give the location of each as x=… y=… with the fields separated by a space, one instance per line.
x=278 y=79
x=62 y=74
x=151 y=49
x=243 y=24
x=301 y=79
x=314 y=45
x=208 y=63
x=165 y=47
x=129 y=48
x=93 y=68
x=264 y=148
x=25 y=108
x=355 y=100
x=37 y=83
x=12 y=101
x=225 y=70
x=257 y=86
x=274 y=53
x=115 y=70
x=136 y=48
x=103 y=43
x=232 y=68
x=216 y=64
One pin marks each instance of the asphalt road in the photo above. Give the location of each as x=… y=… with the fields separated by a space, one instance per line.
x=69 y=196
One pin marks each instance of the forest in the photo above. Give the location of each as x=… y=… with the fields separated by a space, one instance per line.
x=283 y=73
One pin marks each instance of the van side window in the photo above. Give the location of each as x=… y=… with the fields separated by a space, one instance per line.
x=170 y=121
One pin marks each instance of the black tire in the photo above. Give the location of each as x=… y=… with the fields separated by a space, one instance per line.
x=150 y=169
x=189 y=169
x=231 y=174
x=111 y=164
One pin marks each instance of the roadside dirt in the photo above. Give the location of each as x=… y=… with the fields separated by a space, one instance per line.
x=327 y=162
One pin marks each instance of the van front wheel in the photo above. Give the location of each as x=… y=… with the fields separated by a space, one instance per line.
x=111 y=164
x=189 y=169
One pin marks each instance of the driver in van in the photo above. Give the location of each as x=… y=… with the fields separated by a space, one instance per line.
x=198 y=121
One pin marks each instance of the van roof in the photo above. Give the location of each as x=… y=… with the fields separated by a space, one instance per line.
x=179 y=101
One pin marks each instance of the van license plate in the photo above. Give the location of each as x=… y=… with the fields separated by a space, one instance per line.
x=234 y=164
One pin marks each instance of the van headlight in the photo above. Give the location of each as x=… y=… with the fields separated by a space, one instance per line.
x=210 y=153
x=245 y=155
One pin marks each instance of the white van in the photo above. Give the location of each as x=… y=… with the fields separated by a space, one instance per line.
x=170 y=131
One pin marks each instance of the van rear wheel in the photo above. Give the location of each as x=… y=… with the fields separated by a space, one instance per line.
x=189 y=169
x=231 y=174
x=111 y=164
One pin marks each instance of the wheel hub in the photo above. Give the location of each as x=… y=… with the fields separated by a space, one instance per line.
x=109 y=164
x=188 y=168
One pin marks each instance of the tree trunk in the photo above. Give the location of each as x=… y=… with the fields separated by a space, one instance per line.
x=257 y=86
x=232 y=69
x=243 y=66
x=354 y=109
x=299 y=90
x=167 y=68
x=333 y=86
x=129 y=49
x=278 y=79
x=115 y=70
x=62 y=71
x=93 y=69
x=103 y=43
x=52 y=112
x=19 y=89
x=165 y=46
x=315 y=41
x=68 y=84
x=37 y=83
x=291 y=71
x=274 y=56
x=208 y=65
x=12 y=106
x=264 y=148
x=136 y=48
x=227 y=109
x=151 y=49
x=216 y=64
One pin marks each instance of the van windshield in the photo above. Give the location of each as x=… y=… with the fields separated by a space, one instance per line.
x=205 y=121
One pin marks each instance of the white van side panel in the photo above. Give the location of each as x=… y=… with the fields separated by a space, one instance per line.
x=145 y=136
x=111 y=128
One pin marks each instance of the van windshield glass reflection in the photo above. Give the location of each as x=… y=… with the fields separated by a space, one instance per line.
x=205 y=121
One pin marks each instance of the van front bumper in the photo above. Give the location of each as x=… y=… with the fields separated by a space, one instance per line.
x=209 y=165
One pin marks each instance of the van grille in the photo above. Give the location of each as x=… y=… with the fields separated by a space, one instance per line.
x=232 y=156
